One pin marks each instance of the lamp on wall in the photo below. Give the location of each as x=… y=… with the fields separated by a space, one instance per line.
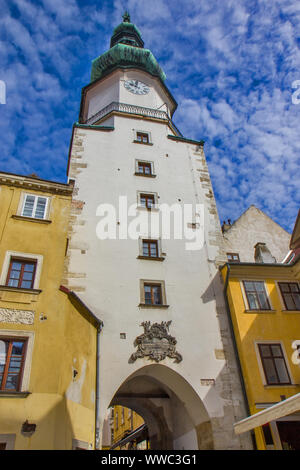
x=28 y=429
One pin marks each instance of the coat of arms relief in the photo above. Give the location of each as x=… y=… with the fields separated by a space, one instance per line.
x=156 y=343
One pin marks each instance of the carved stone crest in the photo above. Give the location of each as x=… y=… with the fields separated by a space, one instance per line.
x=8 y=315
x=156 y=343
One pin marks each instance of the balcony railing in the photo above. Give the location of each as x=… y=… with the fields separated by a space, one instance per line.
x=131 y=109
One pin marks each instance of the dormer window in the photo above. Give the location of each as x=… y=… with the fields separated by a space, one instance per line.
x=262 y=254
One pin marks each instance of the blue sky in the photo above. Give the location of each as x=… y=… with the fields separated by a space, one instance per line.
x=230 y=65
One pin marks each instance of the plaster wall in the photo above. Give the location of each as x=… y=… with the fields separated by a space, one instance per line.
x=107 y=273
x=112 y=89
x=61 y=404
x=251 y=228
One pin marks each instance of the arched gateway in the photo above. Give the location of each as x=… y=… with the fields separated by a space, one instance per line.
x=144 y=249
x=173 y=412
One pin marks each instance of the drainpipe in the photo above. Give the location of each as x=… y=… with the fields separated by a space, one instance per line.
x=97 y=411
x=235 y=348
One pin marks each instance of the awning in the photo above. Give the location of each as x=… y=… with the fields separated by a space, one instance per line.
x=281 y=409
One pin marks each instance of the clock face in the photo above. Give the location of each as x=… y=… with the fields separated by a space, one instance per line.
x=136 y=87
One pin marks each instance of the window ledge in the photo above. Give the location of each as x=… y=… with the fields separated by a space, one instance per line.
x=31 y=219
x=143 y=143
x=282 y=385
x=20 y=289
x=142 y=174
x=260 y=311
x=154 y=209
x=151 y=258
x=153 y=306
x=290 y=311
x=13 y=394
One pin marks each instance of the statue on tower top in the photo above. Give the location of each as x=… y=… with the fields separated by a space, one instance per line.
x=126 y=17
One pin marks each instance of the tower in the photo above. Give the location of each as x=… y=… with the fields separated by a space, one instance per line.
x=165 y=349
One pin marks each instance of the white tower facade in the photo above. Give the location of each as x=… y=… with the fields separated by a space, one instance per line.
x=166 y=348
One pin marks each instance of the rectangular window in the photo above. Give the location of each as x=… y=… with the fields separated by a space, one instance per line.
x=153 y=294
x=150 y=248
x=142 y=137
x=21 y=273
x=144 y=168
x=147 y=200
x=12 y=357
x=291 y=295
x=274 y=365
x=233 y=257
x=256 y=295
x=34 y=206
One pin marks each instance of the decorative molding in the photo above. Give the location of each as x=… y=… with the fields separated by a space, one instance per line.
x=156 y=343
x=116 y=107
x=34 y=183
x=13 y=394
x=24 y=317
x=31 y=219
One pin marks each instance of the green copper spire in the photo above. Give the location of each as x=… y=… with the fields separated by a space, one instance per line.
x=126 y=50
x=127 y=33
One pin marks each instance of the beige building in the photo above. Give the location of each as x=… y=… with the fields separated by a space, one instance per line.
x=255 y=237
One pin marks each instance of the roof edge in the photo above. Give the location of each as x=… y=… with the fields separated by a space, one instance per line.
x=72 y=296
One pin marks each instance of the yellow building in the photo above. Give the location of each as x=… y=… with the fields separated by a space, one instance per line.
x=129 y=430
x=263 y=301
x=48 y=337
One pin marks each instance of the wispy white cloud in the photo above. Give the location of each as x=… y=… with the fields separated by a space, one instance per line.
x=230 y=66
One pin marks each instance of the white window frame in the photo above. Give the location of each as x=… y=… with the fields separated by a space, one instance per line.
x=18 y=254
x=9 y=440
x=82 y=444
x=247 y=306
x=36 y=196
x=29 y=335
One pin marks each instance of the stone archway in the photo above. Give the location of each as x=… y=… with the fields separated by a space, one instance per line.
x=175 y=415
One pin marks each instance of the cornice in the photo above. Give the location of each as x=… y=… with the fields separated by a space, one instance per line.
x=183 y=139
x=37 y=184
x=264 y=270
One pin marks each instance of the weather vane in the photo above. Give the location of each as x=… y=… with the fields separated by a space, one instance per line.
x=126 y=17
